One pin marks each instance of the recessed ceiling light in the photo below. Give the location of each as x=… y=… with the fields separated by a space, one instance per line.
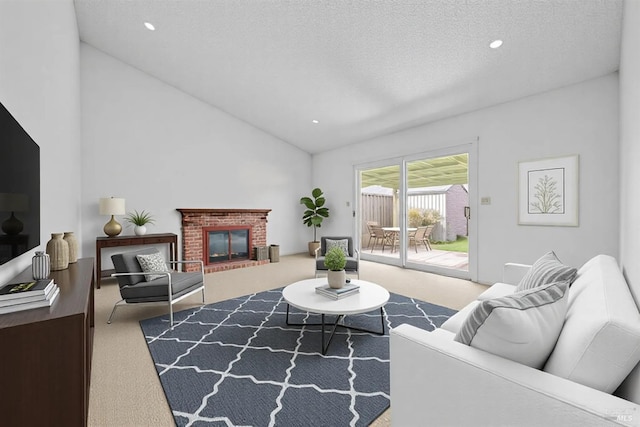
x=149 y=26
x=315 y=121
x=495 y=44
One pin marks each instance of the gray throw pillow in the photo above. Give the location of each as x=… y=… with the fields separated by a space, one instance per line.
x=342 y=244
x=152 y=263
x=547 y=269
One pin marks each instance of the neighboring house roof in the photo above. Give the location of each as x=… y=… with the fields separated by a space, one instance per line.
x=377 y=189
x=438 y=189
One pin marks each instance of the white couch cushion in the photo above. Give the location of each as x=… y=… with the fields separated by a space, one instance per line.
x=498 y=290
x=547 y=269
x=454 y=323
x=522 y=327
x=600 y=341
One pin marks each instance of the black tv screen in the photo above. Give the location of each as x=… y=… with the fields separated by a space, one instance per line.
x=19 y=189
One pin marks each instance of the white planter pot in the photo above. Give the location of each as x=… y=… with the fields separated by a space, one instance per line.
x=140 y=230
x=336 y=278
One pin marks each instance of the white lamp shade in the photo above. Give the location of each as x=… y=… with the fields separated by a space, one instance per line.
x=14 y=202
x=112 y=206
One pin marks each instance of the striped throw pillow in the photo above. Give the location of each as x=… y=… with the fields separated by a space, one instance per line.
x=547 y=269
x=522 y=327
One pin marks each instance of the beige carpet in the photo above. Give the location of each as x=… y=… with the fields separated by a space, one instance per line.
x=125 y=389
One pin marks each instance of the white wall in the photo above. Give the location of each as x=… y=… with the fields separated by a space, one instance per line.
x=580 y=119
x=161 y=149
x=630 y=145
x=39 y=85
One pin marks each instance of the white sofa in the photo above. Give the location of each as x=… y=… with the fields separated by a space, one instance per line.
x=436 y=381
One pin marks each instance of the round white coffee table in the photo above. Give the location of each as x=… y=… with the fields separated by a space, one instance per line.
x=302 y=295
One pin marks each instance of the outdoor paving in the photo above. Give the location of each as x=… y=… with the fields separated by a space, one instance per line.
x=455 y=260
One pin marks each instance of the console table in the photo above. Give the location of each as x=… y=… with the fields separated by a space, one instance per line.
x=45 y=360
x=148 y=239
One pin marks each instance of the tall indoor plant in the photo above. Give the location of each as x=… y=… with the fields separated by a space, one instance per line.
x=313 y=216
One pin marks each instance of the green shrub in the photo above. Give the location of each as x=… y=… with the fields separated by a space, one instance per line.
x=334 y=259
x=421 y=217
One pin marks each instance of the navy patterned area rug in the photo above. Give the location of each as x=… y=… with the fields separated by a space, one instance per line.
x=236 y=362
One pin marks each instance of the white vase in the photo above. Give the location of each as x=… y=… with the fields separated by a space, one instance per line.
x=140 y=230
x=41 y=265
x=336 y=278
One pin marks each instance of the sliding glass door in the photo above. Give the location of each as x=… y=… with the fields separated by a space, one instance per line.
x=379 y=212
x=415 y=211
x=437 y=206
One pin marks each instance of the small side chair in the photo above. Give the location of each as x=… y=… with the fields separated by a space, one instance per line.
x=144 y=277
x=353 y=257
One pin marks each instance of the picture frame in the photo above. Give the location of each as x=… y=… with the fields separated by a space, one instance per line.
x=548 y=191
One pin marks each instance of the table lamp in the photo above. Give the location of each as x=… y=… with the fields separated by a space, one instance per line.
x=13 y=202
x=112 y=206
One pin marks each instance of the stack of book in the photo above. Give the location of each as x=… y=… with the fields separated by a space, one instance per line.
x=345 y=291
x=27 y=295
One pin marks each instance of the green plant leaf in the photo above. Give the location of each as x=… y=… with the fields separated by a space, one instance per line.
x=315 y=213
x=139 y=218
x=310 y=205
x=334 y=259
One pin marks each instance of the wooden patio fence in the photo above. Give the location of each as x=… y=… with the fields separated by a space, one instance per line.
x=376 y=207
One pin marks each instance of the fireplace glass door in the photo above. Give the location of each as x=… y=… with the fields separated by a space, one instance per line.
x=228 y=245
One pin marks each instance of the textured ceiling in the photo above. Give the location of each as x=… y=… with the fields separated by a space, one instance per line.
x=362 y=68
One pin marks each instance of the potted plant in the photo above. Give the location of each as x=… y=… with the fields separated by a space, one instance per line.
x=139 y=220
x=313 y=216
x=335 y=260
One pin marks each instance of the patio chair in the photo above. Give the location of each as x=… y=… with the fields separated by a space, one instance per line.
x=143 y=277
x=422 y=236
x=372 y=233
x=353 y=255
x=416 y=234
x=380 y=236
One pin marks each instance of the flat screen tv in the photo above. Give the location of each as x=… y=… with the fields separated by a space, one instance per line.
x=19 y=189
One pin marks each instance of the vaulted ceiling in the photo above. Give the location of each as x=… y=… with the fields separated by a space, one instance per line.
x=360 y=68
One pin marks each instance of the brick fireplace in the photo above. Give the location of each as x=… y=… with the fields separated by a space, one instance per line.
x=198 y=224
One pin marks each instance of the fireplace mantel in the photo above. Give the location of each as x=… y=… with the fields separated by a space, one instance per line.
x=195 y=220
x=222 y=211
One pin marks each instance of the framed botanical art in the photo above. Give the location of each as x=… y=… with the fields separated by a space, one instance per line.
x=548 y=191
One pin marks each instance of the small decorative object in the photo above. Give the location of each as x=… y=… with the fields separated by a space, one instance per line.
x=139 y=220
x=314 y=215
x=274 y=253
x=549 y=192
x=58 y=250
x=40 y=265
x=262 y=253
x=71 y=240
x=335 y=261
x=112 y=206
x=12 y=202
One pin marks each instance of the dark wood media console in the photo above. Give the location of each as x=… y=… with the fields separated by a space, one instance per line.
x=45 y=354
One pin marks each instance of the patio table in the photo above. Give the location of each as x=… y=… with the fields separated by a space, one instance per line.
x=393 y=234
